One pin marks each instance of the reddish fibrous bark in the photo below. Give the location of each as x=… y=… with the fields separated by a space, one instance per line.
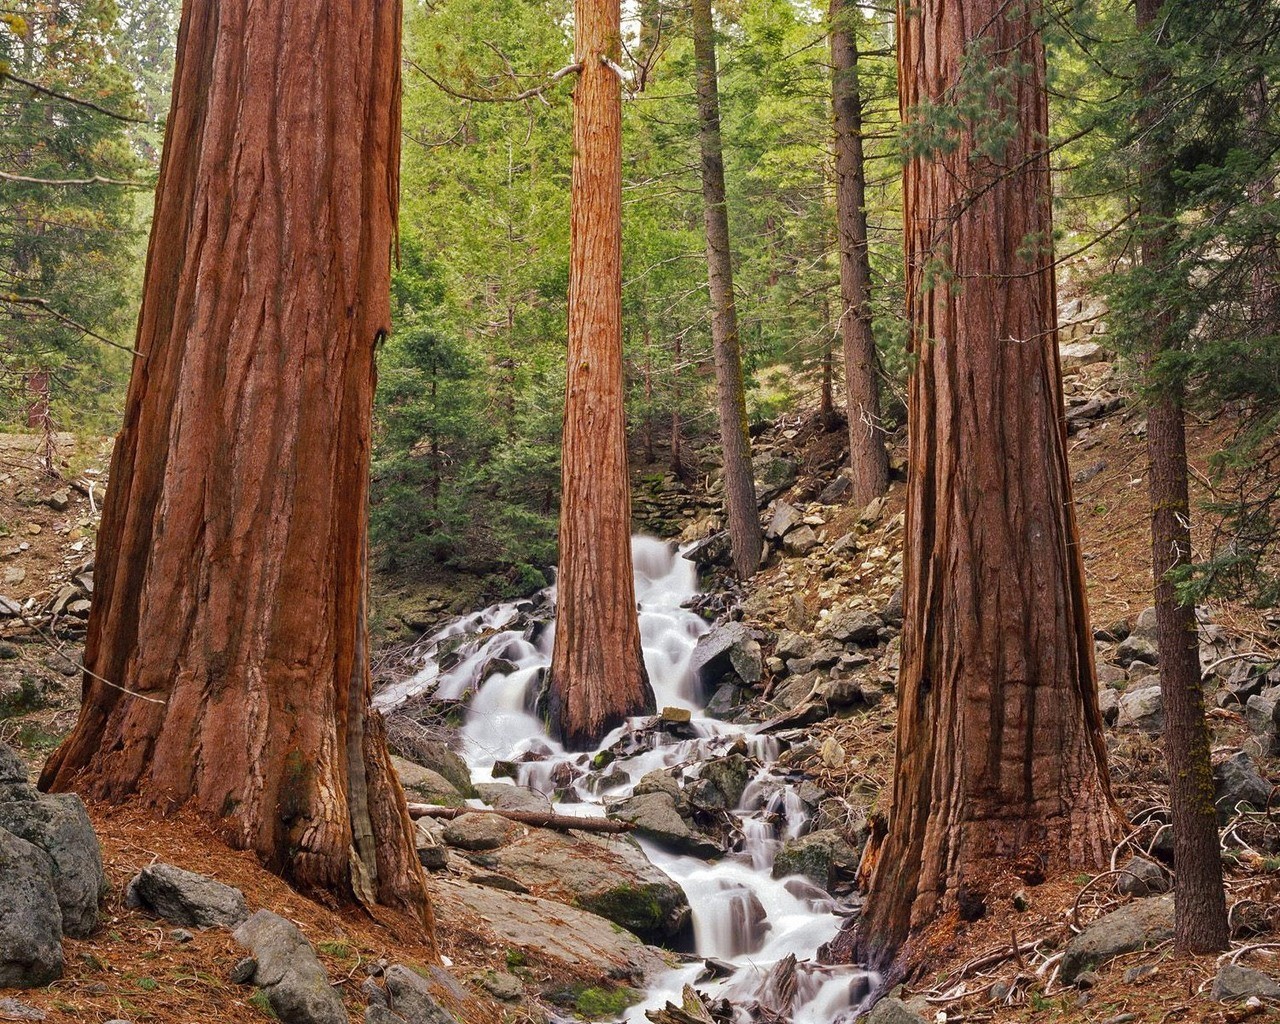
x=226 y=659
x=597 y=678
x=868 y=457
x=1000 y=766
x=1200 y=915
x=745 y=536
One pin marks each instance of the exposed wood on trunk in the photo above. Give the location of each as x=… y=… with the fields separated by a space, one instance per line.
x=563 y=822
x=1200 y=916
x=868 y=458
x=743 y=516
x=597 y=678
x=1000 y=761
x=691 y=1011
x=232 y=568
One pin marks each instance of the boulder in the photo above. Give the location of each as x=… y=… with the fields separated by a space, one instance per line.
x=835 y=490
x=59 y=825
x=1137 y=647
x=893 y=1011
x=729 y=775
x=822 y=857
x=793 y=645
x=711 y=552
x=609 y=876
x=1076 y=354
x=410 y=995
x=1235 y=781
x=773 y=474
x=1142 y=877
x=1143 y=709
x=728 y=647
x=479 y=831
x=1260 y=712
x=800 y=541
x=853 y=626
x=437 y=755
x=184 y=897
x=656 y=817
x=288 y=972
x=426 y=784
x=30 y=921
x=12 y=771
x=785 y=518
x=1109 y=705
x=1234 y=982
x=1141 y=924
x=503 y=796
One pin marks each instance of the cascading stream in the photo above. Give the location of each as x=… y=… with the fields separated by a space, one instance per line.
x=741 y=914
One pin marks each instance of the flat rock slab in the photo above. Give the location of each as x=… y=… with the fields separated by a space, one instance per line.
x=582 y=942
x=287 y=970
x=1235 y=982
x=187 y=898
x=1142 y=923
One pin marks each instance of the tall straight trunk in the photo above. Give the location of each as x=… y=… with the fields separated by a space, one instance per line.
x=1000 y=771
x=868 y=458
x=597 y=678
x=1200 y=916
x=677 y=463
x=745 y=536
x=226 y=665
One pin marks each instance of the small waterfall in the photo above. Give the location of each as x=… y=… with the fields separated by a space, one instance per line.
x=768 y=928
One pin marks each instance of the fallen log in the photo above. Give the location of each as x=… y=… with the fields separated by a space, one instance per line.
x=538 y=819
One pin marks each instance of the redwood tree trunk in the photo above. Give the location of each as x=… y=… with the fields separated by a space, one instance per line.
x=1200 y=915
x=597 y=677
x=1000 y=773
x=745 y=536
x=226 y=660
x=868 y=459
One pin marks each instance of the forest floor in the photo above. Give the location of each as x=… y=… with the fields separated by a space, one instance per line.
x=134 y=969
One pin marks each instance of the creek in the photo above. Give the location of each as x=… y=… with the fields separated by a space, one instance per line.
x=743 y=919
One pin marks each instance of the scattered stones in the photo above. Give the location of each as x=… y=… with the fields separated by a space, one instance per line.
x=187 y=898
x=1143 y=709
x=1234 y=982
x=287 y=970
x=1141 y=924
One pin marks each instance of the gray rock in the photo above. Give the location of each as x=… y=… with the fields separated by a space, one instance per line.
x=1142 y=673
x=1111 y=676
x=437 y=755
x=1260 y=713
x=853 y=626
x=1137 y=647
x=296 y=986
x=1236 y=781
x=1142 y=877
x=12 y=770
x=59 y=825
x=377 y=1013
x=785 y=518
x=655 y=816
x=31 y=923
x=409 y=995
x=243 y=971
x=729 y=775
x=822 y=857
x=426 y=784
x=11 y=1009
x=835 y=490
x=1146 y=624
x=1109 y=705
x=479 y=831
x=1234 y=982
x=893 y=1011
x=1141 y=924
x=502 y=796
x=711 y=551
x=184 y=897
x=728 y=647
x=609 y=876
x=1143 y=709
x=800 y=541
x=773 y=474
x=793 y=645
x=506 y=988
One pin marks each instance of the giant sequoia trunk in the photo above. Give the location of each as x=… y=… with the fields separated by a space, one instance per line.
x=226 y=661
x=1000 y=772
x=597 y=677
x=745 y=536
x=1200 y=918
x=868 y=459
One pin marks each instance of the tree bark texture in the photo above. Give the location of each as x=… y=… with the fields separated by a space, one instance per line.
x=745 y=535
x=1200 y=915
x=1000 y=768
x=868 y=457
x=226 y=660
x=597 y=677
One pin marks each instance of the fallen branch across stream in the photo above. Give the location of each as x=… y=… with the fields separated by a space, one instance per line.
x=539 y=819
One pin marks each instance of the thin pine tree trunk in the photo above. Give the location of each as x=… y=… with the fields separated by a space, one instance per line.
x=745 y=535
x=868 y=458
x=226 y=662
x=597 y=678
x=1200 y=916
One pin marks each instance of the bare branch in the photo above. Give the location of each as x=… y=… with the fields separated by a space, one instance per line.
x=97 y=179
x=19 y=300
x=89 y=104
x=528 y=94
